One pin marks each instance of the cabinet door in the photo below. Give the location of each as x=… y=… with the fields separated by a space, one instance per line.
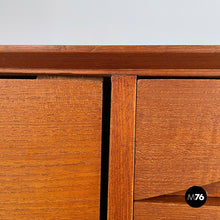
x=50 y=148
x=177 y=142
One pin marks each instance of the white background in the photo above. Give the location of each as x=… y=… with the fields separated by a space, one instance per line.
x=123 y=22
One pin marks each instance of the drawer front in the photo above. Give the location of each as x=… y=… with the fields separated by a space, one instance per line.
x=50 y=138
x=177 y=136
x=174 y=211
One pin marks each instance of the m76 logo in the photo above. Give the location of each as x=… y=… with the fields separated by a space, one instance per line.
x=195 y=197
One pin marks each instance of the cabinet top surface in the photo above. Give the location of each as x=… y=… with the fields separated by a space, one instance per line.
x=112 y=48
x=200 y=60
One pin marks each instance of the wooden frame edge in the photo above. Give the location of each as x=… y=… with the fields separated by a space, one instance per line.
x=121 y=153
x=112 y=72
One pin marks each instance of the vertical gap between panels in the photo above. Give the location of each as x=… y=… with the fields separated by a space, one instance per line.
x=106 y=107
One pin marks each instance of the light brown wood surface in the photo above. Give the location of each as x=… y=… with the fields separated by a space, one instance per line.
x=198 y=73
x=200 y=49
x=50 y=148
x=174 y=211
x=212 y=190
x=121 y=157
x=177 y=135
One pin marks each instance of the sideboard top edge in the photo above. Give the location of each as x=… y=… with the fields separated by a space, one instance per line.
x=110 y=48
x=215 y=73
x=109 y=57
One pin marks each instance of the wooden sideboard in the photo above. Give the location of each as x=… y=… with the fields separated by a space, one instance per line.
x=109 y=132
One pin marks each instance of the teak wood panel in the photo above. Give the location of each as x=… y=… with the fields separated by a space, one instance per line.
x=212 y=190
x=174 y=211
x=121 y=153
x=50 y=149
x=177 y=135
x=64 y=59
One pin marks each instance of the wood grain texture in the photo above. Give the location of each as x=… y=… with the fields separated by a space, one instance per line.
x=212 y=190
x=215 y=73
x=121 y=158
x=50 y=138
x=111 y=48
x=177 y=135
x=174 y=211
x=176 y=199
x=108 y=57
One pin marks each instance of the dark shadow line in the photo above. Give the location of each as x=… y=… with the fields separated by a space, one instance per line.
x=106 y=109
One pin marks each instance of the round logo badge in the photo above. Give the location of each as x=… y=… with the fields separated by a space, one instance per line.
x=195 y=196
